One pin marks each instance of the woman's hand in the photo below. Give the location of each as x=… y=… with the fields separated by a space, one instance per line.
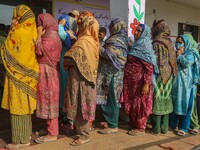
x=71 y=33
x=145 y=89
x=63 y=22
x=180 y=51
x=130 y=43
x=40 y=31
x=13 y=23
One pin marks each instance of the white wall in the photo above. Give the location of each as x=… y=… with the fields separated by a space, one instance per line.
x=119 y=8
x=173 y=13
x=6 y=13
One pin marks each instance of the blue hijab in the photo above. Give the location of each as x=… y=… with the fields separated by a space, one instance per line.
x=70 y=22
x=188 y=49
x=66 y=17
x=143 y=49
x=116 y=46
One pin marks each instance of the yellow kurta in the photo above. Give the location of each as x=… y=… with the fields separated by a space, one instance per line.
x=15 y=100
x=21 y=65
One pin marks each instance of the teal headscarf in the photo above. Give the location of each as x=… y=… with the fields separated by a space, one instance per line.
x=189 y=49
x=143 y=49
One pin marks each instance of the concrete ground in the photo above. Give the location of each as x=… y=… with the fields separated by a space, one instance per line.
x=118 y=141
x=122 y=141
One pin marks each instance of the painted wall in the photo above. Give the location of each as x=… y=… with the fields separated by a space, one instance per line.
x=172 y=12
x=93 y=3
x=119 y=8
x=100 y=9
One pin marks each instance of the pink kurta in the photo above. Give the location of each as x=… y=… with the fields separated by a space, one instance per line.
x=138 y=106
x=48 y=50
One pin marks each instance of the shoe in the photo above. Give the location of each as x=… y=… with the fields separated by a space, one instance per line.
x=79 y=142
x=17 y=146
x=181 y=133
x=194 y=131
x=135 y=132
x=108 y=131
x=43 y=139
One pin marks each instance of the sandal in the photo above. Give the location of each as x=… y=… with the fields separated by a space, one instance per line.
x=108 y=131
x=194 y=131
x=42 y=139
x=103 y=124
x=181 y=133
x=150 y=131
x=42 y=132
x=79 y=142
x=17 y=146
x=135 y=132
x=91 y=128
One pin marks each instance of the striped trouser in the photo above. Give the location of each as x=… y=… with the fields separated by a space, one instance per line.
x=21 y=126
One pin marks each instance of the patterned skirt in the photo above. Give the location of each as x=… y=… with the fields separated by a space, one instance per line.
x=162 y=104
x=79 y=93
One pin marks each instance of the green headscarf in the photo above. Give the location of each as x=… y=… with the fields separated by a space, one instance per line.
x=193 y=43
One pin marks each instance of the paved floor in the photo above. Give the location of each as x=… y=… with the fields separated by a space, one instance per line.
x=118 y=141
x=122 y=141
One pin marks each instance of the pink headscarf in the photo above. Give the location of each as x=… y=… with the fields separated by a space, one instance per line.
x=48 y=22
x=50 y=49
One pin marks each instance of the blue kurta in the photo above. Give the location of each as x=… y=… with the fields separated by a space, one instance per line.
x=71 y=24
x=63 y=73
x=184 y=87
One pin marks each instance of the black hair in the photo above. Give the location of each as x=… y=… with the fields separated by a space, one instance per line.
x=7 y=29
x=102 y=29
x=181 y=38
x=2 y=27
x=71 y=15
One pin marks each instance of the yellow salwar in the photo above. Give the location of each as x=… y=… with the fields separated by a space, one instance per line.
x=21 y=65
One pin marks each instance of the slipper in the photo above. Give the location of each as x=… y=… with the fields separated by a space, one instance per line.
x=135 y=132
x=103 y=124
x=41 y=132
x=79 y=142
x=194 y=131
x=17 y=146
x=108 y=131
x=42 y=139
x=150 y=131
x=181 y=133
x=91 y=128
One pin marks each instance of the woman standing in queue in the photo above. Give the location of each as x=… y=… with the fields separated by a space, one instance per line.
x=48 y=49
x=82 y=62
x=184 y=88
x=19 y=59
x=138 y=80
